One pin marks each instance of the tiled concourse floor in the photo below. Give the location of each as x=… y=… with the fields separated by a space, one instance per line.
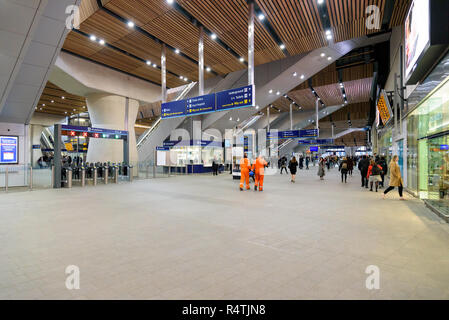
x=199 y=237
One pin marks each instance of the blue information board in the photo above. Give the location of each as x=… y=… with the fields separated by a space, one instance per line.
x=313 y=149
x=289 y=134
x=308 y=133
x=201 y=104
x=173 y=109
x=316 y=141
x=235 y=98
x=9 y=150
x=305 y=141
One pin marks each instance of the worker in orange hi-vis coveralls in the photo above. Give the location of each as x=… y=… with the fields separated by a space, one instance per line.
x=259 y=172
x=245 y=167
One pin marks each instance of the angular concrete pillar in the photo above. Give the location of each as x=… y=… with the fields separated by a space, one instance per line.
x=109 y=111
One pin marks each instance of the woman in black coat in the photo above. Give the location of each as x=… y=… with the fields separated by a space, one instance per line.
x=293 y=166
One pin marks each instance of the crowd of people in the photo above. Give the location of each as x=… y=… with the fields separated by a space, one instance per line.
x=373 y=170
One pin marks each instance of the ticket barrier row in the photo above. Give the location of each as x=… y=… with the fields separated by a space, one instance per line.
x=94 y=173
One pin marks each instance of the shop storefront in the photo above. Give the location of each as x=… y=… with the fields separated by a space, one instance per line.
x=428 y=151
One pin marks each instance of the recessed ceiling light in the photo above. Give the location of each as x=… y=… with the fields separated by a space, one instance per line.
x=40 y=108
x=213 y=36
x=271 y=91
x=130 y=24
x=323 y=54
x=181 y=77
x=302 y=76
x=185 y=79
x=282 y=46
x=230 y=119
x=154 y=65
x=148 y=62
x=84 y=107
x=257 y=107
x=278 y=93
x=177 y=51
x=329 y=58
x=65 y=112
x=238 y=119
x=328 y=32
x=74 y=109
x=241 y=59
x=170 y=1
x=52 y=101
x=320 y=1
x=62 y=97
x=101 y=41
x=208 y=69
x=261 y=17
x=93 y=38
x=285 y=96
x=43 y=104
x=329 y=37
x=295 y=74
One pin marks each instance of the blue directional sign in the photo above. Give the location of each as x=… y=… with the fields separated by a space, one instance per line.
x=173 y=109
x=201 y=104
x=316 y=141
x=235 y=98
x=9 y=149
x=308 y=133
x=289 y=134
x=313 y=149
x=305 y=141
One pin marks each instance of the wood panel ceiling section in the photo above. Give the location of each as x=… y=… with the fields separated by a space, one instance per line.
x=400 y=10
x=330 y=94
x=348 y=140
x=358 y=111
x=173 y=28
x=348 y=17
x=304 y=98
x=283 y=104
x=229 y=21
x=358 y=90
x=297 y=23
x=59 y=106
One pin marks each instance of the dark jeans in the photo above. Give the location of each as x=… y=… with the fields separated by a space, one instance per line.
x=364 y=180
x=391 y=188
x=383 y=180
x=345 y=174
x=282 y=168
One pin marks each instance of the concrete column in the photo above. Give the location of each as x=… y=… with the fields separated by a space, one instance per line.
x=36 y=132
x=250 y=43
x=109 y=112
x=201 y=62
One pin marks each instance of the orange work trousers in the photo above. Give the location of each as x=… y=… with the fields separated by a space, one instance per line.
x=259 y=180
x=244 y=176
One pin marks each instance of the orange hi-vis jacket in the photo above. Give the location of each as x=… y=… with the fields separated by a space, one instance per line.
x=245 y=166
x=259 y=166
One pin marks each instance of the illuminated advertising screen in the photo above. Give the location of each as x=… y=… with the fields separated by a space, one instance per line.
x=9 y=146
x=417 y=34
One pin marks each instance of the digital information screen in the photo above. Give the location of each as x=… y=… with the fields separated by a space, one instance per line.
x=9 y=146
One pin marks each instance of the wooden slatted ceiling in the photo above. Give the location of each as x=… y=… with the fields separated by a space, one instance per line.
x=330 y=94
x=400 y=10
x=60 y=106
x=228 y=19
x=87 y=8
x=303 y=98
x=348 y=140
x=348 y=17
x=358 y=90
x=297 y=23
x=358 y=111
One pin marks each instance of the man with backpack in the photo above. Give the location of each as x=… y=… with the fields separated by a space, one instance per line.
x=363 y=167
x=343 y=168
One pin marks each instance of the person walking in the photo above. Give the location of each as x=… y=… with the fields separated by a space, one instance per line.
x=245 y=167
x=301 y=162
x=363 y=167
x=343 y=168
x=214 y=168
x=307 y=162
x=373 y=174
x=383 y=164
x=321 y=171
x=284 y=164
x=350 y=165
x=395 y=178
x=293 y=166
x=259 y=172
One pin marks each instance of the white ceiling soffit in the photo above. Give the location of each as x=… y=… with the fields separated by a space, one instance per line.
x=32 y=33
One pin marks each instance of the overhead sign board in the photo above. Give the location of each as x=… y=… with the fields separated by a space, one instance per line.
x=317 y=141
x=201 y=104
x=229 y=99
x=235 y=98
x=383 y=105
x=173 y=109
x=9 y=146
x=79 y=131
x=308 y=133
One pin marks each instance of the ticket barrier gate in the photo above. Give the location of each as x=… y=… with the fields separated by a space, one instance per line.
x=66 y=177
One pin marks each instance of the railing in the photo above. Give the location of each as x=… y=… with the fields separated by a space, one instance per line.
x=148 y=132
